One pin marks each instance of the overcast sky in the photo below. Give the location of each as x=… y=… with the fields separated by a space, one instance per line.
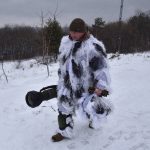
x=28 y=11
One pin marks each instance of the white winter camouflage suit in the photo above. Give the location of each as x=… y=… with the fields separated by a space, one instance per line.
x=82 y=65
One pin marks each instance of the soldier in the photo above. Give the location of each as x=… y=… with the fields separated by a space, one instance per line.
x=83 y=79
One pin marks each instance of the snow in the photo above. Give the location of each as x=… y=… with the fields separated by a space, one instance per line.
x=127 y=128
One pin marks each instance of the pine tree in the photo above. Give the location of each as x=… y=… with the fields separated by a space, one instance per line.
x=53 y=32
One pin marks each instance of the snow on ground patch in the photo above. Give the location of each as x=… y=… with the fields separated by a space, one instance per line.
x=127 y=128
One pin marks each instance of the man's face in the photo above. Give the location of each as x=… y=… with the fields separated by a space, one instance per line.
x=76 y=35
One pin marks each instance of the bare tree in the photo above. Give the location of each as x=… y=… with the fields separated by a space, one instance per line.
x=47 y=42
x=2 y=64
x=44 y=47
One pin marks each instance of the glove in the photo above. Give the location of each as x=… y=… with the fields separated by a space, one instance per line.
x=104 y=93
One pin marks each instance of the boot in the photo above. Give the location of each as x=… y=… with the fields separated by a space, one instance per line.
x=57 y=137
x=63 y=124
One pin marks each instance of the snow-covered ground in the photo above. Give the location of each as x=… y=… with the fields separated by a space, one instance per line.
x=127 y=128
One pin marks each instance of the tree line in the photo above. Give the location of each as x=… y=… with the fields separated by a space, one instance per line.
x=21 y=42
x=133 y=34
x=18 y=42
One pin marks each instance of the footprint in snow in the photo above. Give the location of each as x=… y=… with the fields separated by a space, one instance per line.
x=71 y=146
x=85 y=142
x=141 y=146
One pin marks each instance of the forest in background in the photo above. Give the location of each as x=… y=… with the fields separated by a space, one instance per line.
x=21 y=42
